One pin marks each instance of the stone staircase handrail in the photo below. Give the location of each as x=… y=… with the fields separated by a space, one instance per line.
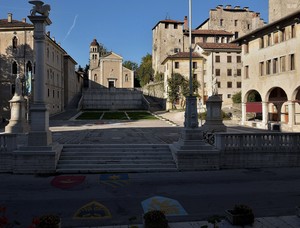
x=265 y=142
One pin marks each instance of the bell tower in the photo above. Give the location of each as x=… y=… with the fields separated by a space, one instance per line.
x=94 y=54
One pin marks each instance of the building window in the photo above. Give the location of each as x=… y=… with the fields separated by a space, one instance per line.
x=275 y=37
x=176 y=65
x=175 y=26
x=282 y=64
x=282 y=31
x=238 y=59
x=269 y=38
x=166 y=26
x=217 y=58
x=194 y=65
x=261 y=42
x=246 y=71
x=236 y=35
x=229 y=72
x=219 y=84
x=293 y=31
x=228 y=95
x=238 y=72
x=228 y=59
x=218 y=72
x=268 y=67
x=229 y=84
x=95 y=77
x=221 y=22
x=261 y=68
x=239 y=85
x=248 y=26
x=246 y=48
x=15 y=42
x=53 y=93
x=235 y=22
x=48 y=53
x=14 y=67
x=195 y=76
x=292 y=62
x=126 y=77
x=48 y=92
x=275 y=65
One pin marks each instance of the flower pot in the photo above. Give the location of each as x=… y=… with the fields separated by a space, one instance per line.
x=239 y=219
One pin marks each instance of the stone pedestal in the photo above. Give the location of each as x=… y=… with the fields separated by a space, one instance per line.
x=17 y=123
x=214 y=120
x=191 y=152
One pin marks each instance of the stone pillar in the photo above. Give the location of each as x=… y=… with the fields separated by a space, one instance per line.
x=244 y=114
x=265 y=114
x=40 y=134
x=214 y=118
x=40 y=155
x=291 y=105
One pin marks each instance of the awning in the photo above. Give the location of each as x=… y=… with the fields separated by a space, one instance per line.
x=254 y=107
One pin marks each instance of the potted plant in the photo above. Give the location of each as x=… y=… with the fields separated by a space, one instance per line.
x=155 y=219
x=49 y=221
x=240 y=215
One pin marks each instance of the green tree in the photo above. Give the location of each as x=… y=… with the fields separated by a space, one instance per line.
x=158 y=77
x=130 y=65
x=237 y=98
x=145 y=71
x=254 y=97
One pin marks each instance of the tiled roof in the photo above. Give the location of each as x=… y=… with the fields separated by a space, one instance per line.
x=94 y=43
x=219 y=46
x=184 y=55
x=168 y=21
x=210 y=32
x=14 y=23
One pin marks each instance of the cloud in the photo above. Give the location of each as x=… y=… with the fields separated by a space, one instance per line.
x=71 y=28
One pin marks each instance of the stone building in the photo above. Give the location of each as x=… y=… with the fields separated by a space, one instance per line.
x=279 y=9
x=179 y=63
x=223 y=61
x=271 y=82
x=106 y=69
x=210 y=38
x=17 y=59
x=236 y=20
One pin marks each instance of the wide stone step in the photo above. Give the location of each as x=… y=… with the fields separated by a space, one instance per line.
x=117 y=165
x=123 y=146
x=114 y=170
x=112 y=153
x=119 y=162
x=114 y=157
x=124 y=150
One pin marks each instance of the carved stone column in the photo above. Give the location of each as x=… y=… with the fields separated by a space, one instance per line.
x=40 y=134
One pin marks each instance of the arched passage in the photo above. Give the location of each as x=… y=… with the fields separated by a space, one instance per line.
x=277 y=105
x=253 y=105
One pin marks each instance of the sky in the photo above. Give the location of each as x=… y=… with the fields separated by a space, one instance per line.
x=122 y=26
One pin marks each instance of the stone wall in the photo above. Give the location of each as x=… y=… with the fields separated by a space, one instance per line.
x=112 y=99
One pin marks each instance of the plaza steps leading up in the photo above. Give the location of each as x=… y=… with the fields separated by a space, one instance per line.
x=107 y=158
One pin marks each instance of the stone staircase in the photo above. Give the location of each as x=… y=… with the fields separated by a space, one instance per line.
x=85 y=158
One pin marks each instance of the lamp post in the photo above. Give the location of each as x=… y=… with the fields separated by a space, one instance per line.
x=191 y=116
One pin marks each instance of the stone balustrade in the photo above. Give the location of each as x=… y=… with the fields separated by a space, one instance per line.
x=258 y=150
x=8 y=143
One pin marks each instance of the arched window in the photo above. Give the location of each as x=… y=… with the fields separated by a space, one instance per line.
x=126 y=77
x=15 y=42
x=14 y=68
x=95 y=77
x=48 y=53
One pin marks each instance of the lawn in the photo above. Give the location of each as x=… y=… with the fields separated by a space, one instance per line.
x=114 y=116
x=141 y=116
x=90 y=116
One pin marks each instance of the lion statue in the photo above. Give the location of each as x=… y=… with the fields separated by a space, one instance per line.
x=40 y=8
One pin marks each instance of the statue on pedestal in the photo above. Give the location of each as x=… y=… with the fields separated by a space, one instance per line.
x=40 y=8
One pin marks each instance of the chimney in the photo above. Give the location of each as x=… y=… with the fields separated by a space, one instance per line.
x=48 y=33
x=9 y=17
x=228 y=6
x=185 y=26
x=246 y=8
x=53 y=38
x=24 y=20
x=237 y=7
x=220 y=7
